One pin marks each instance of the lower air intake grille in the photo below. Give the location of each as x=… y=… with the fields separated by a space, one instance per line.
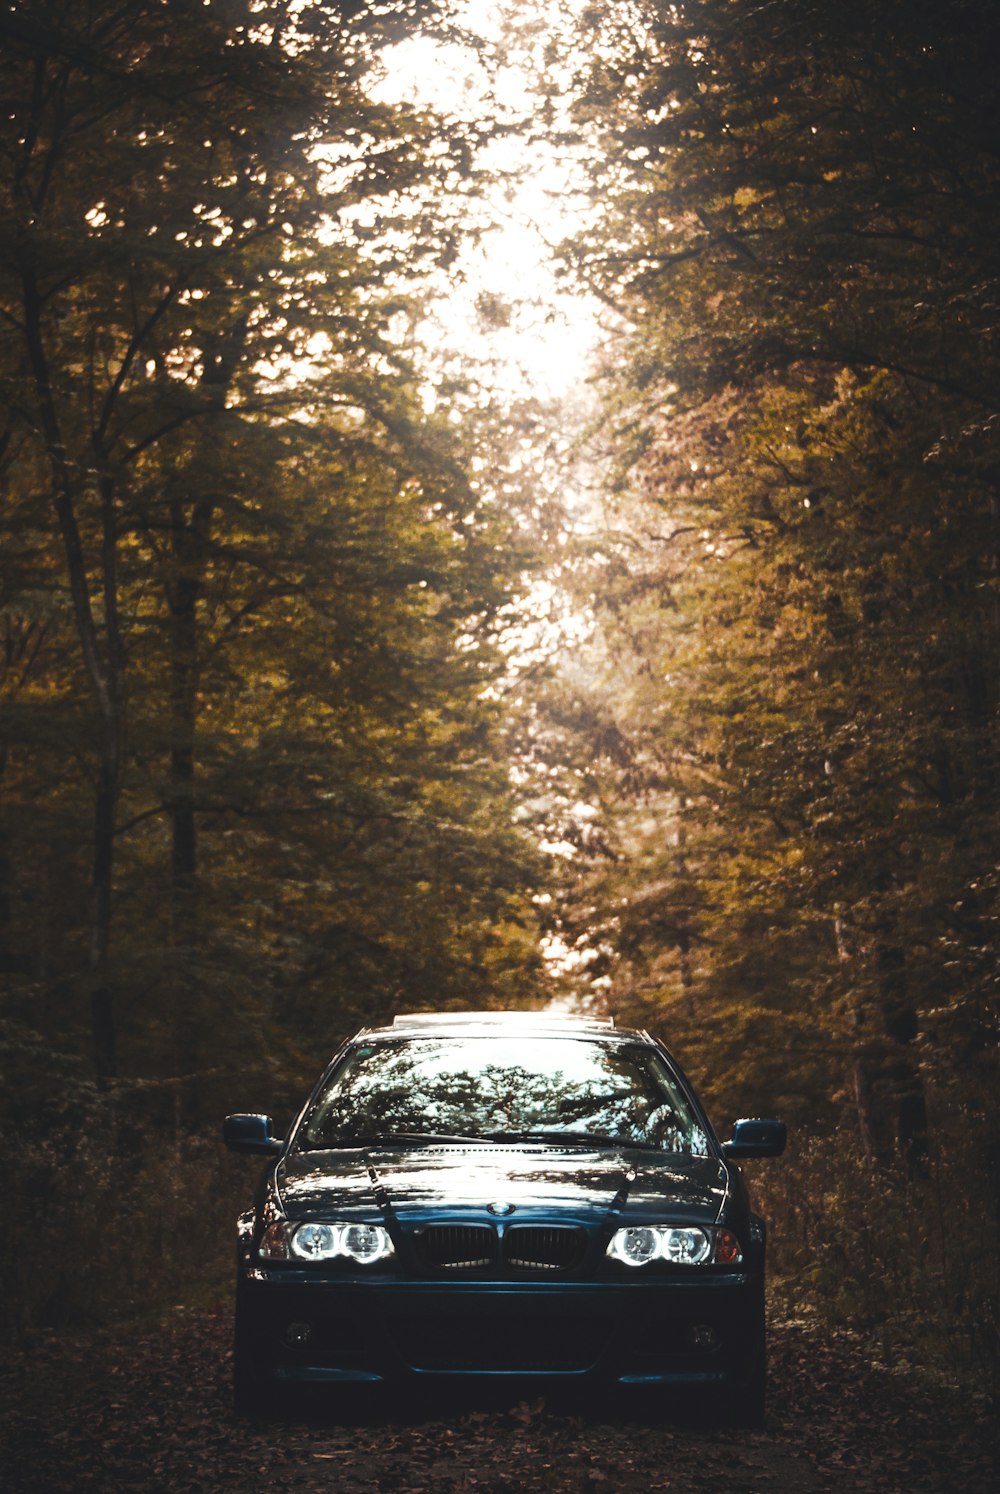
x=544 y=1247
x=456 y=1246
x=509 y=1341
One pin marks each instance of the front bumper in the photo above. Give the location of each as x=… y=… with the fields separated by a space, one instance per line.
x=297 y=1327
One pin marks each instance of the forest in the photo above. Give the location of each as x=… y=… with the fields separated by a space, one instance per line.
x=280 y=754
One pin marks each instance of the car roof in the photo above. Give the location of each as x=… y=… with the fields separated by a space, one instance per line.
x=506 y=1024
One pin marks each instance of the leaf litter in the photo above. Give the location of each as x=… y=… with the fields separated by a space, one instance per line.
x=152 y=1412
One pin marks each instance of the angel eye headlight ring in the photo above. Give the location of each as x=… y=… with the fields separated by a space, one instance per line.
x=679 y=1245
x=364 y=1244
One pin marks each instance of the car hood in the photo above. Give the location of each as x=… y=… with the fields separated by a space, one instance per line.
x=463 y=1180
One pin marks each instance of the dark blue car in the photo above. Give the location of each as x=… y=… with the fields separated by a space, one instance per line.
x=489 y=1194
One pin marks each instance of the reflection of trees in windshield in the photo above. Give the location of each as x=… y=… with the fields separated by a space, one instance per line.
x=475 y=1087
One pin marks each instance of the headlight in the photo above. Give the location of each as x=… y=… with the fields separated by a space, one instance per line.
x=365 y=1244
x=314 y=1242
x=681 y=1246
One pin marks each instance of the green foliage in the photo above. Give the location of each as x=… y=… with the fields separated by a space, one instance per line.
x=792 y=713
x=803 y=428
x=858 y=1244
x=253 y=758
x=115 y=1218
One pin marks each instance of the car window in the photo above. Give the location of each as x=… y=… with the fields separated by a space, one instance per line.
x=496 y=1087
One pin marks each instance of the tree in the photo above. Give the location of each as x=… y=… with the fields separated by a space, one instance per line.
x=804 y=249
x=208 y=230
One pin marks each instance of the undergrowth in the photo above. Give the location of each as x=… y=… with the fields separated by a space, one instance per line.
x=114 y=1218
x=908 y=1263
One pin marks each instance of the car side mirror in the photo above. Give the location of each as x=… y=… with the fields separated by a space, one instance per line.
x=251 y=1133
x=757 y=1138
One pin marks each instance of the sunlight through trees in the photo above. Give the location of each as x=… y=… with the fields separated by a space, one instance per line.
x=500 y=505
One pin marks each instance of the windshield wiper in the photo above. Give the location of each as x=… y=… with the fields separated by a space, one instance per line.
x=429 y=1138
x=572 y=1138
x=395 y=1138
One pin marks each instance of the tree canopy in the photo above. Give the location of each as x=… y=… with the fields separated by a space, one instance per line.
x=287 y=742
x=252 y=595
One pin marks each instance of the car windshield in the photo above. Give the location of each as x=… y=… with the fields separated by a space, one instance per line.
x=574 y=1090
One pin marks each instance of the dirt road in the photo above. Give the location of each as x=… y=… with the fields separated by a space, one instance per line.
x=152 y=1414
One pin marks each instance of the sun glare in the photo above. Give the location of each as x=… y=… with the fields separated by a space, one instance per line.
x=530 y=334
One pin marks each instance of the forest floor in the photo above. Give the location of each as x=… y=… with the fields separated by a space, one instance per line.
x=151 y=1413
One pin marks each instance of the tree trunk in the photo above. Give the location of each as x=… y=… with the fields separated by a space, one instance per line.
x=683 y=935
x=904 y=1087
x=861 y=1074
x=189 y=553
x=105 y=668
x=190 y=535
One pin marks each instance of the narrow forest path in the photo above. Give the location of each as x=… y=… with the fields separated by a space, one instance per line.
x=152 y=1414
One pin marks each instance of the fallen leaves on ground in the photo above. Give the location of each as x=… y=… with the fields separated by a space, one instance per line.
x=153 y=1413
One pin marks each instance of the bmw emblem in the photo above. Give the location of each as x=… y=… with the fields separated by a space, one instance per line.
x=500 y=1209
